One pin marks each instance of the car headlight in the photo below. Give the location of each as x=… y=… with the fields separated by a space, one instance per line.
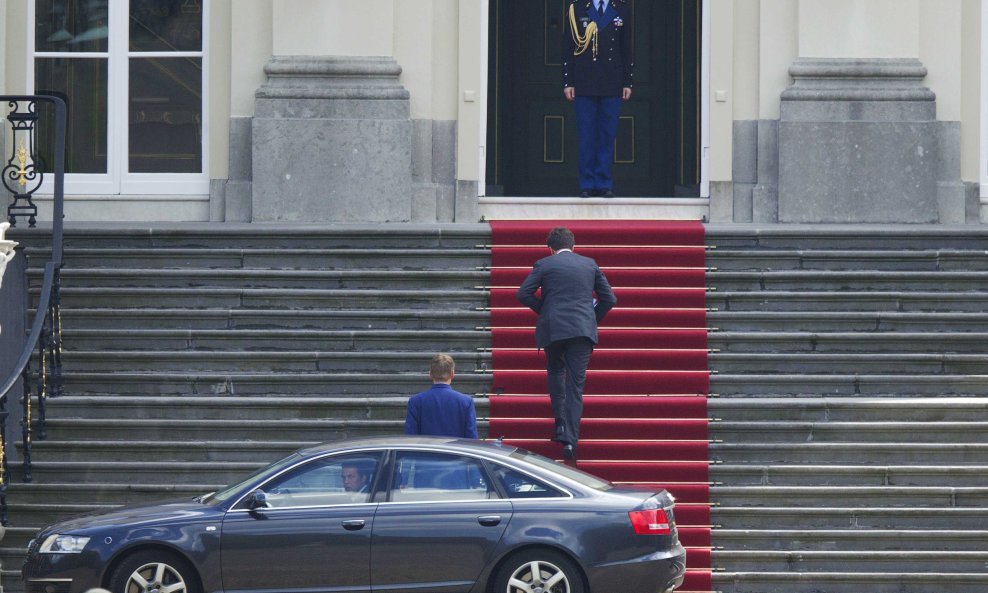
x=63 y=544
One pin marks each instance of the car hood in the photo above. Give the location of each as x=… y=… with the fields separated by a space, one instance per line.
x=134 y=516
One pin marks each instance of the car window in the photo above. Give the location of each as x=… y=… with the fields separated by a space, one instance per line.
x=572 y=473
x=430 y=477
x=519 y=485
x=270 y=470
x=337 y=479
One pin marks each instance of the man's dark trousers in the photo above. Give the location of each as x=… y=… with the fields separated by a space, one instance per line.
x=566 y=372
x=596 y=125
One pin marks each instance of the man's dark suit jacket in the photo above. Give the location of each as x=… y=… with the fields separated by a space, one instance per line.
x=443 y=412
x=566 y=308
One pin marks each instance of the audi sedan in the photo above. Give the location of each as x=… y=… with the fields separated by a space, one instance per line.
x=387 y=515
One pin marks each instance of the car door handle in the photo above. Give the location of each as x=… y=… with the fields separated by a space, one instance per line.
x=353 y=524
x=489 y=520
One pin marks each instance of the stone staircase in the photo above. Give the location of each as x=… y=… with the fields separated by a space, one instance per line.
x=850 y=422
x=852 y=417
x=198 y=353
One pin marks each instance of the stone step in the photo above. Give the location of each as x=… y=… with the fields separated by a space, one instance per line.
x=848 y=561
x=190 y=451
x=848 y=259
x=903 y=452
x=280 y=259
x=275 y=279
x=843 y=363
x=822 y=517
x=844 y=384
x=276 y=361
x=316 y=384
x=907 y=580
x=919 y=431
x=237 y=408
x=849 y=280
x=774 y=236
x=269 y=298
x=166 y=473
x=903 y=301
x=316 y=319
x=943 y=540
x=850 y=474
x=846 y=321
x=101 y=493
x=271 y=236
x=849 y=496
x=840 y=409
x=246 y=428
x=841 y=342
x=274 y=339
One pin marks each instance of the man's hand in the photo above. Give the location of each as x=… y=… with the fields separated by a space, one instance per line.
x=625 y=94
x=570 y=93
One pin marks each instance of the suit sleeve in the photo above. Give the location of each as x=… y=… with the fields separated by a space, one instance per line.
x=471 y=427
x=526 y=292
x=605 y=296
x=628 y=52
x=412 y=419
x=568 y=47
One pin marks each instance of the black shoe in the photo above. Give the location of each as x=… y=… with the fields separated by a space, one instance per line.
x=585 y=193
x=569 y=452
x=607 y=193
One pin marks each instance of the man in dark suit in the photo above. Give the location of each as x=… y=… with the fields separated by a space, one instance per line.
x=566 y=327
x=441 y=410
x=598 y=75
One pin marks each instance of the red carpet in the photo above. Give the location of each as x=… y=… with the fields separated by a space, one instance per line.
x=645 y=407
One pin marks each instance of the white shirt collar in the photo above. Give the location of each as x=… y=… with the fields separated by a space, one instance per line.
x=564 y=249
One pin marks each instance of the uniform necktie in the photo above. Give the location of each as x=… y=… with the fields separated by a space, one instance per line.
x=600 y=8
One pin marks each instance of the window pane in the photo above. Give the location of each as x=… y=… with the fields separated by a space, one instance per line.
x=71 y=25
x=165 y=25
x=433 y=477
x=518 y=485
x=327 y=481
x=165 y=115
x=82 y=84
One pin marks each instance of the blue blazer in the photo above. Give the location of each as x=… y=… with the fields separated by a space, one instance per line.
x=441 y=411
x=566 y=304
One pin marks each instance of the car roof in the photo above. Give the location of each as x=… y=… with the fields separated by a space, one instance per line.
x=491 y=448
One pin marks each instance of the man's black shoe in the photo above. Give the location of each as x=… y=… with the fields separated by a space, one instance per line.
x=584 y=193
x=607 y=193
x=569 y=452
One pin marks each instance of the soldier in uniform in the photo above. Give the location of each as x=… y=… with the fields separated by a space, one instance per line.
x=597 y=76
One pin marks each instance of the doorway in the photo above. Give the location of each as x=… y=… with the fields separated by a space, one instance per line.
x=532 y=131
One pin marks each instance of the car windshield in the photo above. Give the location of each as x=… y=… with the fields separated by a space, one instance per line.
x=264 y=471
x=564 y=470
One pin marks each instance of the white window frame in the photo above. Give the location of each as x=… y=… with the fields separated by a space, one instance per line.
x=117 y=180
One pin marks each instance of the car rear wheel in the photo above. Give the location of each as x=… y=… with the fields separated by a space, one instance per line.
x=153 y=571
x=538 y=571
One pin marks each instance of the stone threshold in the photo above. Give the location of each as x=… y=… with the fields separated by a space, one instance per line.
x=568 y=208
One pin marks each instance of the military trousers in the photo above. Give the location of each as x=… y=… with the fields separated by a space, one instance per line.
x=596 y=125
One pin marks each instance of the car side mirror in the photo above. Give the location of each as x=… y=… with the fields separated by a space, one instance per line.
x=257 y=500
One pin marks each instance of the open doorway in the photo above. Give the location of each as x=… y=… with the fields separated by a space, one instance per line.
x=532 y=143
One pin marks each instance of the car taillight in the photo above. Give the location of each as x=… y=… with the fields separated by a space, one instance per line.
x=650 y=522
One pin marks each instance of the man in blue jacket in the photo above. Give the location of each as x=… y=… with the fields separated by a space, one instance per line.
x=441 y=410
x=566 y=327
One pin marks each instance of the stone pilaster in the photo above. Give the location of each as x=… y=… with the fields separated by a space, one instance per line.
x=331 y=141
x=859 y=142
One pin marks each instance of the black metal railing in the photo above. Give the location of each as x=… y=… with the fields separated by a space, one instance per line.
x=23 y=176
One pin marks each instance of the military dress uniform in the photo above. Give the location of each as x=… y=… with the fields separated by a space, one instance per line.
x=598 y=63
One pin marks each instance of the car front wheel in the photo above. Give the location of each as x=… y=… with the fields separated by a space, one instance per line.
x=538 y=571
x=153 y=571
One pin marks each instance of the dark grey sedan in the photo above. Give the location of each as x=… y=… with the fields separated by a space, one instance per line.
x=386 y=515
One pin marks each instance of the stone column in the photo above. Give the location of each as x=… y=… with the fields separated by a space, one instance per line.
x=858 y=136
x=858 y=142
x=331 y=141
x=332 y=134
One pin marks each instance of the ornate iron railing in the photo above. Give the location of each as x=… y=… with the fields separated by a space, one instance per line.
x=23 y=176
